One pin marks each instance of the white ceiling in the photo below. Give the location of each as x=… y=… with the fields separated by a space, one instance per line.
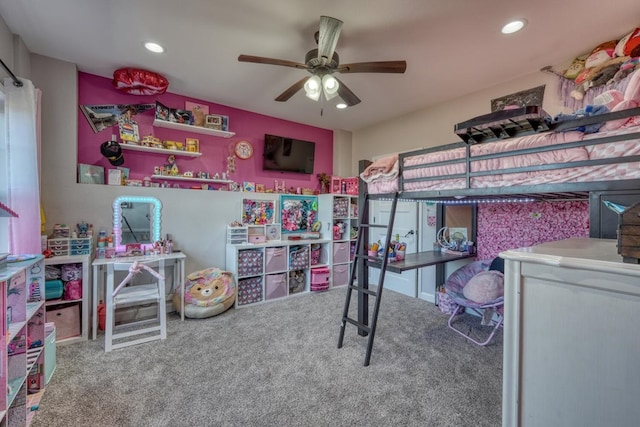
x=452 y=47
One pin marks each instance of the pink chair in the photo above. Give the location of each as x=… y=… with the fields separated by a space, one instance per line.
x=491 y=312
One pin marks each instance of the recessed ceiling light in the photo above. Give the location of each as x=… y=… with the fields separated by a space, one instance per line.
x=154 y=47
x=514 y=26
x=341 y=106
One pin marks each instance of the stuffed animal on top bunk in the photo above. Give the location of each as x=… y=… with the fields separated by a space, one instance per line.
x=607 y=63
x=597 y=76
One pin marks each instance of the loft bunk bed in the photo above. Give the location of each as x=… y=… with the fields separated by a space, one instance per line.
x=519 y=154
x=512 y=155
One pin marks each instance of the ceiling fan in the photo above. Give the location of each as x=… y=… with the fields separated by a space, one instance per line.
x=322 y=63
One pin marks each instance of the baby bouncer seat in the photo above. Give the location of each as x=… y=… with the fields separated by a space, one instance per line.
x=479 y=289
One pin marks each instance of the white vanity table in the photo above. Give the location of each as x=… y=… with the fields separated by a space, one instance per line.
x=177 y=259
x=571 y=336
x=136 y=218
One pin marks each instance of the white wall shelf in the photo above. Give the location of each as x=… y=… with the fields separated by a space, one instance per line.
x=23 y=335
x=54 y=306
x=192 y=129
x=186 y=178
x=276 y=269
x=160 y=150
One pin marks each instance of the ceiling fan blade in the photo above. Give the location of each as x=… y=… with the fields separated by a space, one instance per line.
x=328 y=38
x=374 y=67
x=292 y=90
x=347 y=96
x=271 y=61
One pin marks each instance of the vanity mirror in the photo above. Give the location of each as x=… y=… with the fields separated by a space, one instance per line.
x=136 y=219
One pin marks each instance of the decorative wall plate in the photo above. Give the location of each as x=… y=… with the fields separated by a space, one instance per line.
x=243 y=149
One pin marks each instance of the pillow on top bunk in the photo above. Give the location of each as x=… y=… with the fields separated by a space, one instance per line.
x=609 y=98
x=632 y=44
x=633 y=87
x=617 y=124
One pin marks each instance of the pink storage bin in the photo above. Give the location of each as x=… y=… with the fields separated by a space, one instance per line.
x=275 y=286
x=340 y=275
x=316 y=253
x=341 y=252
x=275 y=259
x=299 y=257
x=249 y=262
x=320 y=279
x=249 y=290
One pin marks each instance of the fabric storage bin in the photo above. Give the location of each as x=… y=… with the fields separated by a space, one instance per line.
x=340 y=275
x=275 y=259
x=275 y=285
x=66 y=318
x=299 y=257
x=71 y=272
x=341 y=252
x=249 y=262
x=320 y=279
x=249 y=290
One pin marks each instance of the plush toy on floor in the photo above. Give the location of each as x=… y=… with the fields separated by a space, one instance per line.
x=207 y=293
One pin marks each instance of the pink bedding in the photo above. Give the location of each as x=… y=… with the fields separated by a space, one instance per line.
x=565 y=175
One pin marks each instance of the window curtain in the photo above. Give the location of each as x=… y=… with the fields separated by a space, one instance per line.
x=22 y=105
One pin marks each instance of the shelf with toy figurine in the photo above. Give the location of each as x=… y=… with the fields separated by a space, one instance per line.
x=183 y=153
x=191 y=178
x=191 y=128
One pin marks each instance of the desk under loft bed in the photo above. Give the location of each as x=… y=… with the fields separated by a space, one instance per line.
x=512 y=155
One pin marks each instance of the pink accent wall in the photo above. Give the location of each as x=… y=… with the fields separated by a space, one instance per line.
x=503 y=226
x=94 y=90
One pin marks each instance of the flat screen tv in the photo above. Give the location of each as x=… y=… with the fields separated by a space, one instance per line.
x=288 y=154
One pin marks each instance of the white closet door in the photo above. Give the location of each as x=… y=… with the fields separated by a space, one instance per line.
x=406 y=226
x=428 y=229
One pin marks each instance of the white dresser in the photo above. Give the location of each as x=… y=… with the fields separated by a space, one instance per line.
x=571 y=336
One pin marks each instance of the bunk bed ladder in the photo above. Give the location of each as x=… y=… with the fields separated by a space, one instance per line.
x=361 y=288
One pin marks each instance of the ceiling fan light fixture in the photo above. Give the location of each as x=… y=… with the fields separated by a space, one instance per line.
x=313 y=87
x=330 y=84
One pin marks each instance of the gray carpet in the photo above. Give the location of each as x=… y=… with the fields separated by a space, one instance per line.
x=277 y=364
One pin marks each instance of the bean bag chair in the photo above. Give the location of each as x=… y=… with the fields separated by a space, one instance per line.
x=207 y=293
